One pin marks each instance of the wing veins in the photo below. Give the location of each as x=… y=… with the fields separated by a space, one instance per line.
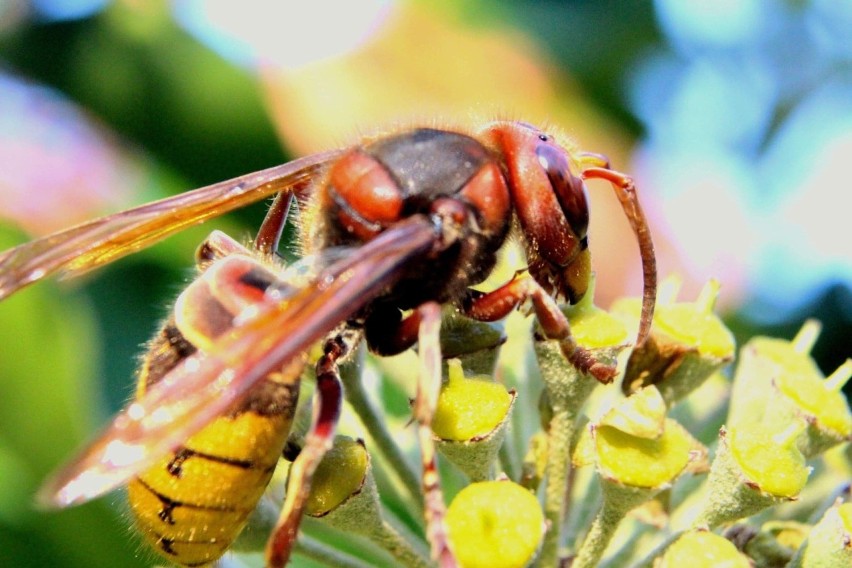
x=205 y=385
x=92 y=244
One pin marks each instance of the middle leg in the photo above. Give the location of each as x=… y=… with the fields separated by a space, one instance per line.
x=497 y=304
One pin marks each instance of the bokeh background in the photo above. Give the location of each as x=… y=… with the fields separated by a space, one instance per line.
x=734 y=116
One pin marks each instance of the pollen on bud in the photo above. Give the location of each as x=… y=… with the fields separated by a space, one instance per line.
x=688 y=343
x=777 y=380
x=643 y=462
x=495 y=524
x=632 y=471
x=470 y=421
x=703 y=549
x=771 y=459
x=821 y=399
x=755 y=467
x=695 y=323
x=592 y=327
x=344 y=496
x=469 y=408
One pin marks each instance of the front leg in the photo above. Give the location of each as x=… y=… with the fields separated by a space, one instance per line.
x=497 y=304
x=387 y=332
x=425 y=401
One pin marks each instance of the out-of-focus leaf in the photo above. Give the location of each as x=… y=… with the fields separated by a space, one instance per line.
x=426 y=66
x=48 y=405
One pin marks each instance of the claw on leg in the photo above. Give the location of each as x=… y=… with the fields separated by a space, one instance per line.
x=497 y=304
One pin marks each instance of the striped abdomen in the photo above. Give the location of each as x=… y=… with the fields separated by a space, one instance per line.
x=192 y=505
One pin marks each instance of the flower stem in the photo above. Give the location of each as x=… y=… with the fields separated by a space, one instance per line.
x=600 y=533
x=376 y=426
x=560 y=435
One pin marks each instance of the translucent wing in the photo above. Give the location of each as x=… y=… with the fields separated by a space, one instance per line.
x=94 y=243
x=205 y=385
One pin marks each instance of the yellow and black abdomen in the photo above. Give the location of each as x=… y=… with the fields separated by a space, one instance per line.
x=193 y=503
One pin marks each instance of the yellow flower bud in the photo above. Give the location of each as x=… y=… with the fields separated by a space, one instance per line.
x=703 y=549
x=469 y=408
x=340 y=474
x=643 y=462
x=771 y=460
x=495 y=524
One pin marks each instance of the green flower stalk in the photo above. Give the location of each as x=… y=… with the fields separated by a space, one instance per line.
x=475 y=343
x=755 y=468
x=373 y=420
x=829 y=543
x=470 y=421
x=322 y=553
x=495 y=524
x=632 y=471
x=566 y=391
x=777 y=381
x=344 y=496
x=702 y=549
x=688 y=343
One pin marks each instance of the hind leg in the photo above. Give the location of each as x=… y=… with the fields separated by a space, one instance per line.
x=326 y=412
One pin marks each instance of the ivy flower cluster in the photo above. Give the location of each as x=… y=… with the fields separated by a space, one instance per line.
x=687 y=459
